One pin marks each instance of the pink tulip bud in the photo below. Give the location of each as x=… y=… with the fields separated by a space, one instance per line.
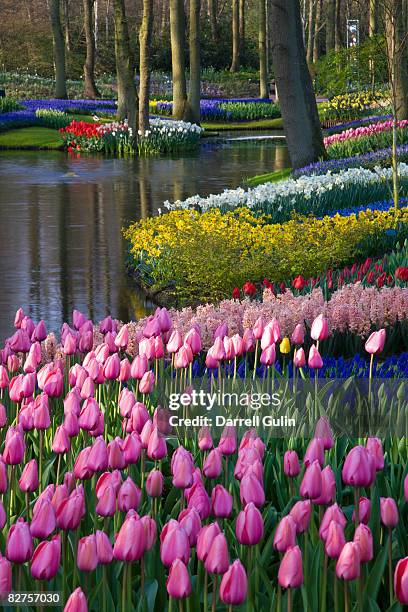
x=323 y=432
x=178 y=583
x=175 y=545
x=129 y=496
x=43 y=522
x=212 y=467
x=87 y=557
x=328 y=488
x=298 y=335
x=217 y=561
x=389 y=512
x=311 y=485
x=175 y=342
x=348 y=563
x=146 y=385
x=29 y=477
x=364 y=538
x=251 y=490
x=358 y=469
x=5 y=577
x=301 y=513
x=268 y=355
x=205 y=441
x=14 y=447
x=285 y=534
x=375 y=343
x=364 y=510
x=234 y=585
x=19 y=544
x=228 y=441
x=104 y=548
x=314 y=452
x=258 y=328
x=154 y=483
x=290 y=574
x=332 y=513
x=299 y=358
x=315 y=361
x=205 y=539
x=320 y=329
x=291 y=465
x=249 y=527
x=46 y=559
x=61 y=443
x=335 y=540
x=190 y=521
x=130 y=541
x=76 y=602
x=374 y=447
x=221 y=501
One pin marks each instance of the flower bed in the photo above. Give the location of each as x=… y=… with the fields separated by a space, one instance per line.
x=316 y=195
x=389 y=270
x=198 y=257
x=351 y=105
x=224 y=109
x=103 y=497
x=365 y=139
x=116 y=138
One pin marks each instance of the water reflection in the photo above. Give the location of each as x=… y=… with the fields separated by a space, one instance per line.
x=61 y=218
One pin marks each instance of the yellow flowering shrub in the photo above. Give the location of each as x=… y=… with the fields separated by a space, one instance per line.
x=206 y=255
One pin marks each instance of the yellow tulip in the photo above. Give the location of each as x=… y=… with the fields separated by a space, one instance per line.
x=285 y=346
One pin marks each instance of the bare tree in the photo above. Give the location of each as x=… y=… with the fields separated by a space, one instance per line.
x=235 y=36
x=193 y=101
x=330 y=10
x=310 y=33
x=59 y=50
x=337 y=26
x=242 y=27
x=145 y=42
x=263 y=60
x=177 y=25
x=317 y=30
x=90 y=89
x=125 y=67
x=297 y=98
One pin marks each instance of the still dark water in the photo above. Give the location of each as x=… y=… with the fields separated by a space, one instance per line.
x=60 y=222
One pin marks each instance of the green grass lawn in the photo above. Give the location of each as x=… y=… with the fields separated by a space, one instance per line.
x=259 y=124
x=31 y=138
x=270 y=177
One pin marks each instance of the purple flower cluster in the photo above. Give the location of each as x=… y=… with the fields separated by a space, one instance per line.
x=340 y=127
x=213 y=108
x=90 y=106
x=365 y=160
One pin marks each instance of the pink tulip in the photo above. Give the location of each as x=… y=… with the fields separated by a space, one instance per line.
x=43 y=522
x=5 y=577
x=335 y=540
x=154 y=483
x=19 y=544
x=389 y=512
x=178 y=583
x=348 y=563
x=299 y=358
x=29 y=477
x=14 y=447
x=358 y=468
x=205 y=539
x=320 y=329
x=190 y=521
x=46 y=559
x=249 y=527
x=268 y=355
x=323 y=432
x=311 y=485
x=87 y=557
x=71 y=510
x=374 y=447
x=164 y=319
x=314 y=452
x=332 y=513
x=258 y=328
x=205 y=441
x=315 y=361
x=375 y=343
x=61 y=443
x=364 y=538
x=364 y=511
x=221 y=502
x=175 y=545
x=130 y=541
x=228 y=441
x=285 y=534
x=291 y=465
x=76 y=602
x=251 y=490
x=290 y=574
x=146 y=385
x=298 y=335
x=234 y=585
x=301 y=513
x=129 y=496
x=212 y=467
x=328 y=488
x=175 y=342
x=157 y=448
x=104 y=548
x=217 y=560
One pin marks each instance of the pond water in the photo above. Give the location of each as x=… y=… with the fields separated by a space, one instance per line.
x=61 y=218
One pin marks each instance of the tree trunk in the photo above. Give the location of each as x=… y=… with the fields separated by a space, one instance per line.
x=90 y=90
x=242 y=28
x=297 y=98
x=235 y=36
x=145 y=41
x=193 y=105
x=310 y=33
x=177 y=24
x=125 y=67
x=263 y=61
x=212 y=13
x=397 y=50
x=337 y=27
x=372 y=21
x=316 y=47
x=330 y=27
x=67 y=28
x=59 y=50
x=96 y=22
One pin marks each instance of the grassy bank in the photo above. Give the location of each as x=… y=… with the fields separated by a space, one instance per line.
x=270 y=177
x=31 y=138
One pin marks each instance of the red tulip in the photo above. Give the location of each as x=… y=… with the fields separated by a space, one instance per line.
x=401 y=581
x=290 y=574
x=234 y=585
x=46 y=559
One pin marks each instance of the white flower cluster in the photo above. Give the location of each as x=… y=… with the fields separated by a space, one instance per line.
x=169 y=127
x=307 y=187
